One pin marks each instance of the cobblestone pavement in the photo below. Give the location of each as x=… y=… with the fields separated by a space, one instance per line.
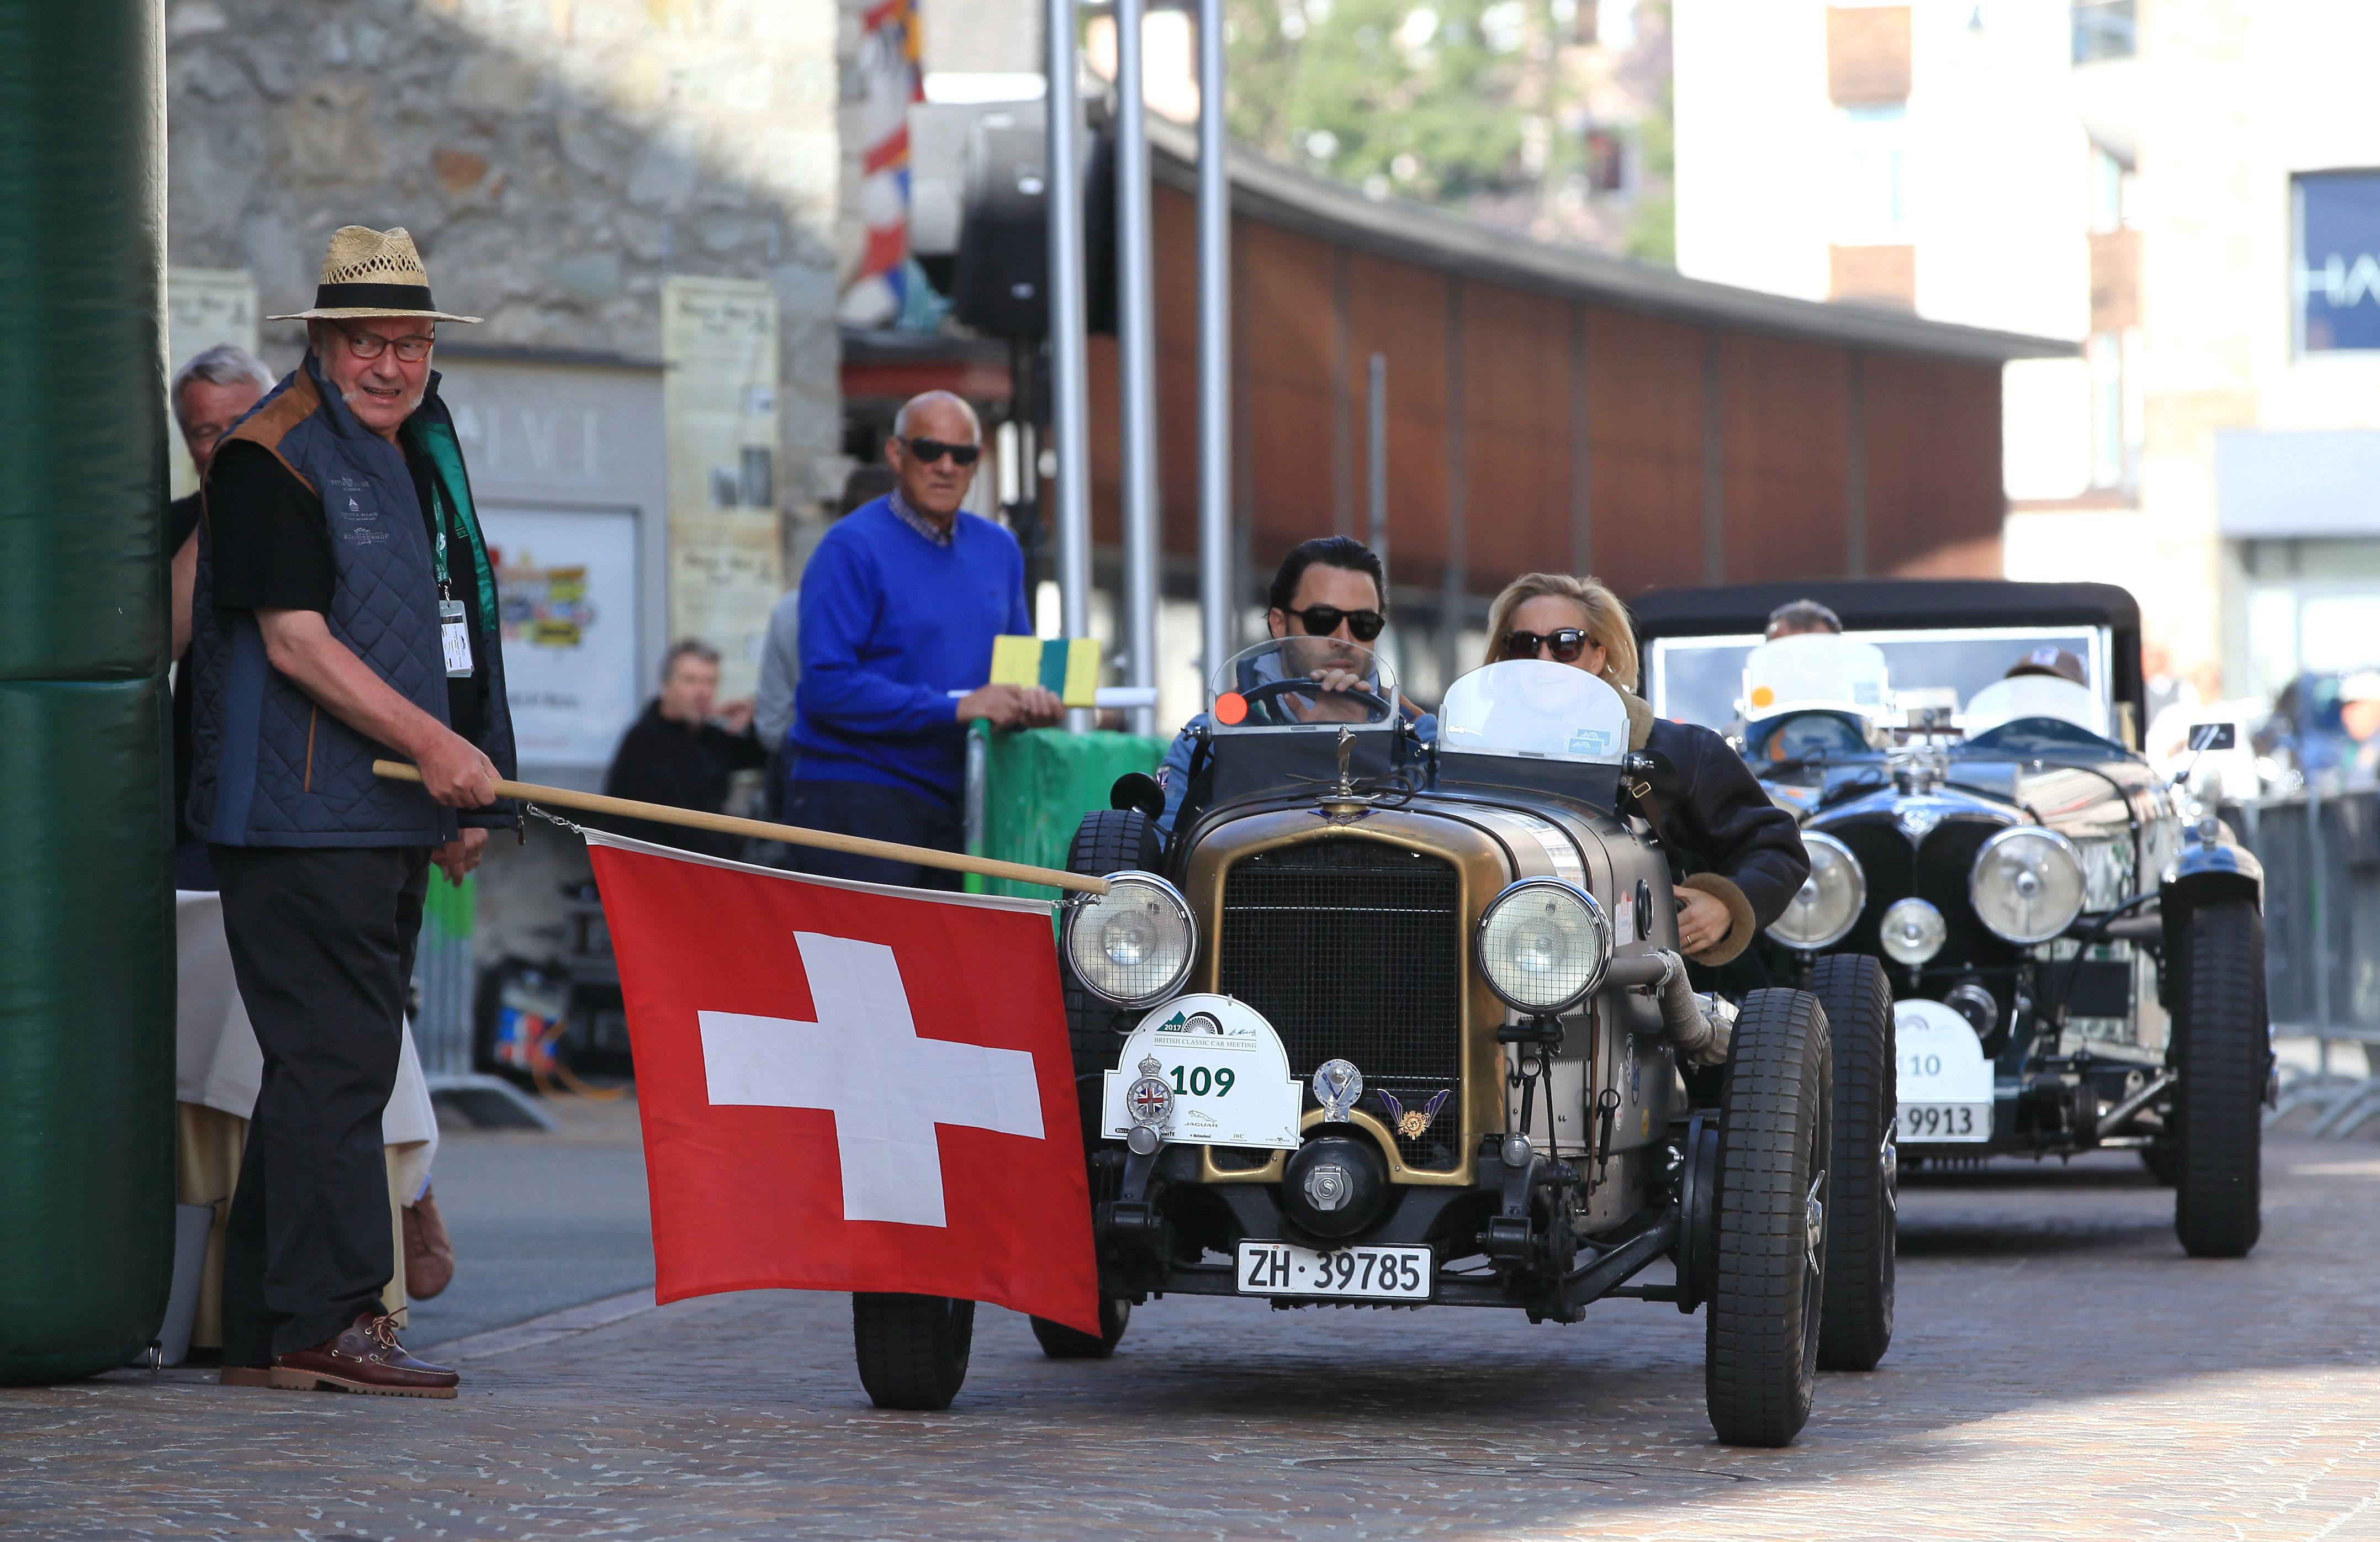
x=2060 y=1371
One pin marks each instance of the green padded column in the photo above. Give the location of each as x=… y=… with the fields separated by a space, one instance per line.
x=86 y=903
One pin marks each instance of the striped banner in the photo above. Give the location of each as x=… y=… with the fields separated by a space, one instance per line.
x=1069 y=666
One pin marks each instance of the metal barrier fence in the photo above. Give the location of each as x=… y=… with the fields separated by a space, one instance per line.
x=2321 y=938
x=448 y=977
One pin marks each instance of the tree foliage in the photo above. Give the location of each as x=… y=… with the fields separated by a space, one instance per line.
x=1424 y=99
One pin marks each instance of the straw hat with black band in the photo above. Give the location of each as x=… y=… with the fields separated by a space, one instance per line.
x=371 y=272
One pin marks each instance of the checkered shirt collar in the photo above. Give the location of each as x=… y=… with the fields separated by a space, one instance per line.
x=922 y=525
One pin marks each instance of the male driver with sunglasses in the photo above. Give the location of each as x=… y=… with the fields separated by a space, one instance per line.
x=1326 y=606
x=899 y=607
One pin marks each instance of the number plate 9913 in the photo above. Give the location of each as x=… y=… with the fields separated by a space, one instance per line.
x=1368 y=1273
x=1927 y=1123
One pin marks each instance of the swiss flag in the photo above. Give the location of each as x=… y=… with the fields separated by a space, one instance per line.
x=849 y=1087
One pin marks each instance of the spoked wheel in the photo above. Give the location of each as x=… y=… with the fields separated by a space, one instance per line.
x=2223 y=1049
x=1062 y=1342
x=1863 y=1223
x=913 y=1349
x=1760 y=1345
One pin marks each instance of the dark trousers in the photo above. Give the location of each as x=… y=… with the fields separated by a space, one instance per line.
x=321 y=942
x=882 y=814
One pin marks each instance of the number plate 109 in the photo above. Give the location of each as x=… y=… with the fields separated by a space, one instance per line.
x=1372 y=1273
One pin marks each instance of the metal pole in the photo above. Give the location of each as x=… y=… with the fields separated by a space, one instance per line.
x=1215 y=566
x=1376 y=457
x=1136 y=358
x=1070 y=409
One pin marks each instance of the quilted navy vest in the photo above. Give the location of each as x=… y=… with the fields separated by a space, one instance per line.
x=269 y=767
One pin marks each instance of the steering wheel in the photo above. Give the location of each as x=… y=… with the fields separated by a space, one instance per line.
x=1265 y=692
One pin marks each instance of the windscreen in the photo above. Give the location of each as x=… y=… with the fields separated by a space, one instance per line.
x=1536 y=707
x=1290 y=683
x=1701 y=679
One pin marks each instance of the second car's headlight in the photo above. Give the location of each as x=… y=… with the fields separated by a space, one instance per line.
x=1542 y=944
x=1829 y=901
x=1132 y=945
x=2027 y=884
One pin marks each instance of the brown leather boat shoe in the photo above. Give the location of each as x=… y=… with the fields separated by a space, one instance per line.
x=363 y=1357
x=245 y=1376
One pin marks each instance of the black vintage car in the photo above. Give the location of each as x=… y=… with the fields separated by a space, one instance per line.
x=2077 y=957
x=1394 y=1021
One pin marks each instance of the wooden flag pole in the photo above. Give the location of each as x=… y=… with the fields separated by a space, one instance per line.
x=793 y=835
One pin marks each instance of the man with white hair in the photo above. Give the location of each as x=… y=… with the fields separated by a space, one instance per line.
x=899 y=607
x=210 y=393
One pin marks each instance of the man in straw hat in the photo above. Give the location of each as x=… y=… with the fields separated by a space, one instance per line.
x=344 y=609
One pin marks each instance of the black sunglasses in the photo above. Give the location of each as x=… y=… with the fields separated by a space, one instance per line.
x=1320 y=621
x=1567 y=644
x=932 y=450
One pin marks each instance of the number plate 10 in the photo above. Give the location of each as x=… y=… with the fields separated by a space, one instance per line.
x=1372 y=1273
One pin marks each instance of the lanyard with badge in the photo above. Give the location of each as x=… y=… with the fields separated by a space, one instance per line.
x=454 y=620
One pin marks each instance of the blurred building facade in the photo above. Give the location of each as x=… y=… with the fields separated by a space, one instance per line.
x=2190 y=188
x=648 y=201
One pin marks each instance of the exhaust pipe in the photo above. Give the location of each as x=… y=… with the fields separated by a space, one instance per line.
x=1700 y=1028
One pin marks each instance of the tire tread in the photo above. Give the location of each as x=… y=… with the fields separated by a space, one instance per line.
x=2223 y=1051
x=1757 y=1369
x=1862 y=1228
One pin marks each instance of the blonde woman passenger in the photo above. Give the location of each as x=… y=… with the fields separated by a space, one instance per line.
x=1736 y=857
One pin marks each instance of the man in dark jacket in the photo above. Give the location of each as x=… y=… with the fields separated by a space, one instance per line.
x=210 y=393
x=680 y=754
x=343 y=610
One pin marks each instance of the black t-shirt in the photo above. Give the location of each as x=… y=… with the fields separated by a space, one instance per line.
x=273 y=552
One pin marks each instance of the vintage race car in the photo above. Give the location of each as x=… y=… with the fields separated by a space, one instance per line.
x=2076 y=953
x=1390 y=1022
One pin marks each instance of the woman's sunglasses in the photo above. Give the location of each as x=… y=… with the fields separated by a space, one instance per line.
x=932 y=450
x=1320 y=621
x=1567 y=644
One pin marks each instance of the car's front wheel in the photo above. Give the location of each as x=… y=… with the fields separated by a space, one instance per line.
x=913 y=1349
x=1862 y=1220
x=1062 y=1342
x=1760 y=1344
x=2223 y=1049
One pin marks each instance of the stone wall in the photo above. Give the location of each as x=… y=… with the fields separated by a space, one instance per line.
x=552 y=158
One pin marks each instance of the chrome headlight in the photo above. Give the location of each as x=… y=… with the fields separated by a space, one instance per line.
x=1830 y=899
x=1914 y=931
x=1132 y=945
x=1542 y=944
x=2027 y=884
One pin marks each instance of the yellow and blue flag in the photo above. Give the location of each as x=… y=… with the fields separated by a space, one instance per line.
x=1069 y=666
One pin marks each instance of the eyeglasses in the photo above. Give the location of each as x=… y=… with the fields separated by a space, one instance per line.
x=932 y=450
x=1320 y=621
x=1567 y=644
x=412 y=349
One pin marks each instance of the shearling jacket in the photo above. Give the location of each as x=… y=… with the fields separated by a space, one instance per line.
x=1723 y=834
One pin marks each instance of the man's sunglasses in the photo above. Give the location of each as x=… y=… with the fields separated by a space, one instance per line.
x=1320 y=621
x=1567 y=644
x=932 y=450
x=413 y=350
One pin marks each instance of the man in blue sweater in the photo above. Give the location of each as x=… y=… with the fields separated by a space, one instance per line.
x=899 y=607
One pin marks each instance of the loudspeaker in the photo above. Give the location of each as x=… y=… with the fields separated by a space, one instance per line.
x=1000 y=282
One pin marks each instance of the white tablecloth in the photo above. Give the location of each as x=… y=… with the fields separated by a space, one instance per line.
x=218 y=1064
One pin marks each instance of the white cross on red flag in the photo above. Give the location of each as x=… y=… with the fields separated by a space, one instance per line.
x=847 y=1087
